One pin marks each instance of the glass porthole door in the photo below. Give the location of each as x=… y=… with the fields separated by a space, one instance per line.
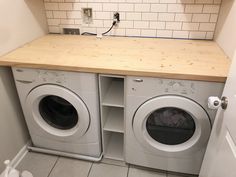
x=171 y=125
x=57 y=111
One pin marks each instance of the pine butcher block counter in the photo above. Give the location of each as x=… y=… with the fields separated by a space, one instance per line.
x=167 y=58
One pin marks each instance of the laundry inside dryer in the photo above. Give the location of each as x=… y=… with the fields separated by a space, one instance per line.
x=170 y=125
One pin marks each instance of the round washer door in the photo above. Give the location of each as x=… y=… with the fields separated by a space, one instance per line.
x=58 y=111
x=171 y=125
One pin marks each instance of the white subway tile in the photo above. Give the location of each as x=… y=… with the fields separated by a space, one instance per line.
x=217 y=1
x=193 y=8
x=183 y=17
x=211 y=8
x=49 y=14
x=151 y=1
x=204 y=1
x=102 y=15
x=207 y=26
x=73 y=14
x=164 y=33
x=53 y=22
x=142 y=7
x=133 y=32
x=157 y=25
x=149 y=16
x=173 y=25
x=78 y=21
x=110 y=7
x=190 y=26
x=185 y=1
x=148 y=33
x=126 y=7
x=95 y=6
x=210 y=35
x=54 y=29
x=167 y=1
x=55 y=0
x=133 y=16
x=59 y=14
x=65 y=6
x=97 y=23
x=133 y=1
x=67 y=21
x=166 y=16
x=213 y=17
x=126 y=24
x=201 y=18
x=176 y=7
x=117 y=1
x=89 y=29
x=197 y=35
x=180 y=34
x=118 y=32
x=76 y=6
x=51 y=6
x=107 y=23
x=141 y=24
x=158 y=7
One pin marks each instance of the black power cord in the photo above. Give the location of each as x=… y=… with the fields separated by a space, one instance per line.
x=117 y=19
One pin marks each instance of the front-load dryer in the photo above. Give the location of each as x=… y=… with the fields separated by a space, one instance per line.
x=168 y=123
x=61 y=110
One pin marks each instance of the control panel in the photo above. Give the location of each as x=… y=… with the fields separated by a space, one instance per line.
x=179 y=86
x=52 y=76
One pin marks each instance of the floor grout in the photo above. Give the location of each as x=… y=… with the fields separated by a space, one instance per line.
x=90 y=169
x=53 y=166
x=128 y=171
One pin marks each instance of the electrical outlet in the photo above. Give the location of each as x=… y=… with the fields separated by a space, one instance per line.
x=116 y=17
x=87 y=15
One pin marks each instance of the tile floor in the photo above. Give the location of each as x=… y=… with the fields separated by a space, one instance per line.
x=42 y=165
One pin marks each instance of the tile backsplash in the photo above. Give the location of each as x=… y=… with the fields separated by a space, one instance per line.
x=191 y=19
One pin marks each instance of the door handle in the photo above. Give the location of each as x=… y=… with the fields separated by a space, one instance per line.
x=215 y=102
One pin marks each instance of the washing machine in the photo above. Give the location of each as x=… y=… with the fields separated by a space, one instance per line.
x=168 y=122
x=61 y=110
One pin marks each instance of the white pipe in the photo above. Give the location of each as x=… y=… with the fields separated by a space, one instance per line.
x=8 y=168
x=76 y=156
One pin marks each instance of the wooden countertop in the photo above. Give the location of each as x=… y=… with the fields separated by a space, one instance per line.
x=167 y=58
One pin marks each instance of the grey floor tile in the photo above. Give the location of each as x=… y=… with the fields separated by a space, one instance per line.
x=38 y=164
x=105 y=170
x=66 y=167
x=136 y=172
x=114 y=162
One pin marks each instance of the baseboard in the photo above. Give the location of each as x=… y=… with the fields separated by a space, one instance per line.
x=19 y=156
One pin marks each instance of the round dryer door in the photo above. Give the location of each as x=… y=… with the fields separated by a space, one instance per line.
x=58 y=111
x=171 y=125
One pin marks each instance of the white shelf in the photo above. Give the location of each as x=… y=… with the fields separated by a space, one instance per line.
x=114 y=149
x=115 y=94
x=115 y=120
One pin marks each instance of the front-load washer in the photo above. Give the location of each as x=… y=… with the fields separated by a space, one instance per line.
x=168 y=123
x=61 y=110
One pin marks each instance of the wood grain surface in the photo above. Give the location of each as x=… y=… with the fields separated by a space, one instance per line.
x=167 y=58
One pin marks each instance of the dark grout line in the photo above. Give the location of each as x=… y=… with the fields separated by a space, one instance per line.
x=90 y=169
x=107 y=163
x=128 y=171
x=53 y=166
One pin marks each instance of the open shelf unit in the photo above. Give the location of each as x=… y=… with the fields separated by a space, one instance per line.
x=112 y=115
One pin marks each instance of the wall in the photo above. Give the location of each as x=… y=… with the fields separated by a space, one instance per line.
x=226 y=27
x=151 y=18
x=20 y=21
